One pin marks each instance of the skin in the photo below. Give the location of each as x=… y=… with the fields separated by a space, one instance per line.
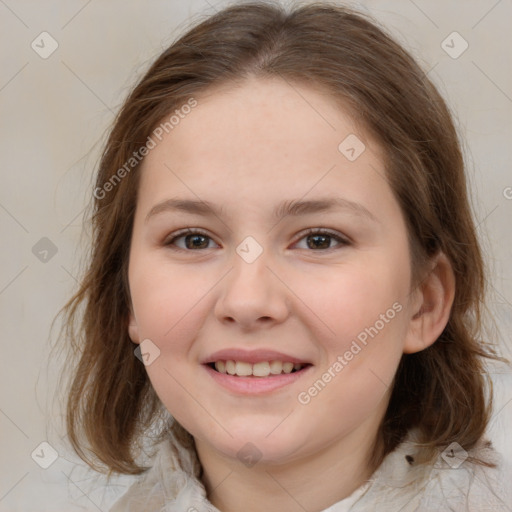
x=247 y=148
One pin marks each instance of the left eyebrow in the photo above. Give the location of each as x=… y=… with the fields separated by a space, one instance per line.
x=298 y=207
x=287 y=207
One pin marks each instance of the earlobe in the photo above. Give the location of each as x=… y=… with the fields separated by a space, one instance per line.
x=432 y=306
x=133 y=329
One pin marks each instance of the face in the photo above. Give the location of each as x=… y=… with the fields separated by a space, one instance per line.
x=269 y=273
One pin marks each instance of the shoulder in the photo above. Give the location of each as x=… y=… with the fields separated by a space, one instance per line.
x=170 y=485
x=452 y=483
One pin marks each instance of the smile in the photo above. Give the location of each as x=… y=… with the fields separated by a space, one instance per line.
x=254 y=372
x=260 y=369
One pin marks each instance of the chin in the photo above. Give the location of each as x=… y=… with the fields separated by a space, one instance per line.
x=260 y=443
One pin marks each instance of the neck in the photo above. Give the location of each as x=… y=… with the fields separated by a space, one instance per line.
x=311 y=483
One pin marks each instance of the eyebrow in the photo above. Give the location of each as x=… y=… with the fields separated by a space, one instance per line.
x=289 y=207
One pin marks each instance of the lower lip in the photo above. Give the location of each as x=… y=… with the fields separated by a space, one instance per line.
x=255 y=385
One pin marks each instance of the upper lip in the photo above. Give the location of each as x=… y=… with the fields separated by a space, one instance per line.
x=251 y=356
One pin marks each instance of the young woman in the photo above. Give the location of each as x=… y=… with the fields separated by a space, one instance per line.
x=282 y=233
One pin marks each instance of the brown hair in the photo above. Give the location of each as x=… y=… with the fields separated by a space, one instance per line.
x=440 y=390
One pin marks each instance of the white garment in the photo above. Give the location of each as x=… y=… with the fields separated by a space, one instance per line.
x=172 y=485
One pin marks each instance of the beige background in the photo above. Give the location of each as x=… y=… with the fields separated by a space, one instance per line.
x=54 y=113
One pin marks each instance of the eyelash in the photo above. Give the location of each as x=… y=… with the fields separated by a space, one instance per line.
x=309 y=232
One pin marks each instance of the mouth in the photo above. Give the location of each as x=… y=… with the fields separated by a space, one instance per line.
x=254 y=372
x=261 y=369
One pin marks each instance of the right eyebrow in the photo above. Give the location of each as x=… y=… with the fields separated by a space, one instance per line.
x=184 y=205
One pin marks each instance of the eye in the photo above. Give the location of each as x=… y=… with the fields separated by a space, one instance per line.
x=316 y=239
x=320 y=239
x=189 y=239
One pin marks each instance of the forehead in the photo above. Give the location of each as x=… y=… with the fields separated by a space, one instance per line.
x=262 y=117
x=267 y=137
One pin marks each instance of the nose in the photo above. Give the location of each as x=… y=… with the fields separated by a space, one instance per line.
x=252 y=295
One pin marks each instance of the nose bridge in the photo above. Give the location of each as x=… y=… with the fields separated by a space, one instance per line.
x=251 y=292
x=251 y=261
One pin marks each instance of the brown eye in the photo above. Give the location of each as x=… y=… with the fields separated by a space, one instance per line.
x=190 y=240
x=196 y=242
x=319 y=240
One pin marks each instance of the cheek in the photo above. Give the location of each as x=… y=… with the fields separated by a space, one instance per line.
x=361 y=357
x=365 y=307
x=358 y=300
x=167 y=305
x=165 y=300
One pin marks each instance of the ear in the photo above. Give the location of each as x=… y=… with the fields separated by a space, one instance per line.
x=432 y=302
x=133 y=329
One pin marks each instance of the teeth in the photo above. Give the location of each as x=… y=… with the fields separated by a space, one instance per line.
x=262 y=369
x=230 y=367
x=243 y=369
x=287 y=367
x=276 y=367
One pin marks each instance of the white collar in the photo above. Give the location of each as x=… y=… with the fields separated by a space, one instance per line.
x=173 y=485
